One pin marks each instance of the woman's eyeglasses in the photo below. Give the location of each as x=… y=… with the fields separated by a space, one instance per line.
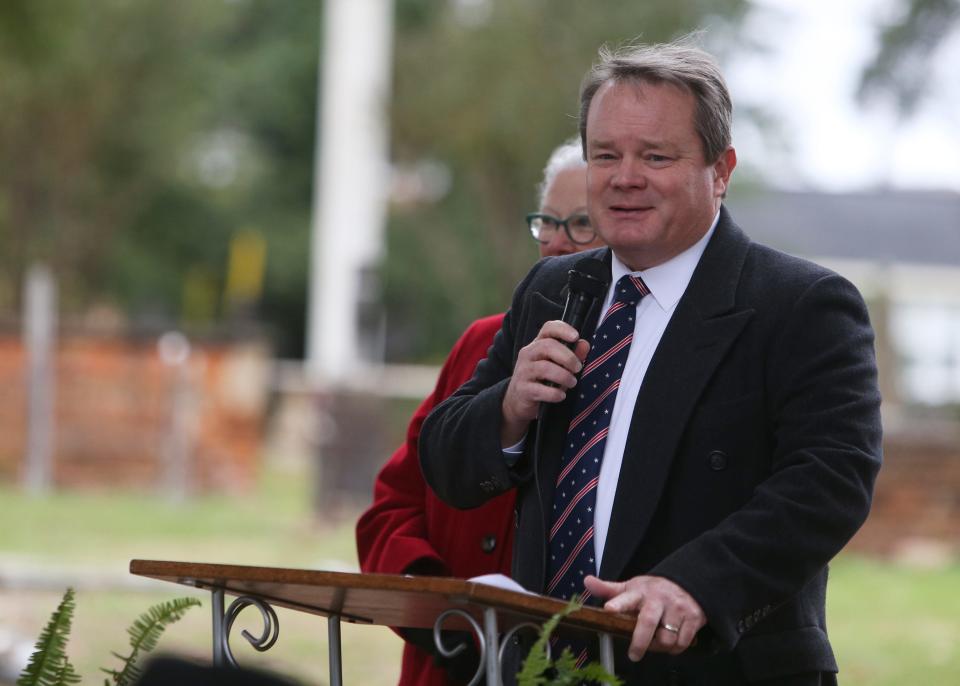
x=543 y=227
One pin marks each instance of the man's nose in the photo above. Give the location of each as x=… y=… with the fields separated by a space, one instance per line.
x=630 y=173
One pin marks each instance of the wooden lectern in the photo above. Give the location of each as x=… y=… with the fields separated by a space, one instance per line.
x=493 y=614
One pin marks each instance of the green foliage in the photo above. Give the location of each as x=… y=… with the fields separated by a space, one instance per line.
x=49 y=665
x=96 y=121
x=136 y=140
x=144 y=634
x=539 y=670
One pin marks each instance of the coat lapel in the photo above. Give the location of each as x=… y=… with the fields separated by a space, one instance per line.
x=701 y=330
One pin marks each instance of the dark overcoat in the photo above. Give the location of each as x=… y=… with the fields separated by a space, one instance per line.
x=750 y=460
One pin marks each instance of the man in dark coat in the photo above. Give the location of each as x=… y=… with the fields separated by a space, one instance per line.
x=730 y=438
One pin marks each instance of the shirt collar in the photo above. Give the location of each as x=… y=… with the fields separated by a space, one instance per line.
x=669 y=280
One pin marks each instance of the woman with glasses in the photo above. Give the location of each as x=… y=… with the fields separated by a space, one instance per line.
x=562 y=226
x=407 y=529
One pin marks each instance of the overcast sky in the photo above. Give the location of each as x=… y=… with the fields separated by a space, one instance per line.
x=808 y=75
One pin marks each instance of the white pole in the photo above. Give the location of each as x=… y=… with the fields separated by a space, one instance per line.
x=39 y=334
x=350 y=179
x=176 y=452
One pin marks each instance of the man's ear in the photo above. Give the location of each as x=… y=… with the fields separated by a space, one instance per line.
x=722 y=170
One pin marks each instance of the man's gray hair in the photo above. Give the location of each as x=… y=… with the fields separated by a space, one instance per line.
x=679 y=63
x=569 y=155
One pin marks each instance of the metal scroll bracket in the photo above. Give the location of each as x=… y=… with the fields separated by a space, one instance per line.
x=223 y=624
x=493 y=648
x=223 y=620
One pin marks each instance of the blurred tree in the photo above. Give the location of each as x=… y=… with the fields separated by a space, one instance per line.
x=487 y=89
x=902 y=64
x=95 y=109
x=136 y=139
x=249 y=167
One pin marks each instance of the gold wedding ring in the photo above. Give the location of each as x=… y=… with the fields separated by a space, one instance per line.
x=671 y=628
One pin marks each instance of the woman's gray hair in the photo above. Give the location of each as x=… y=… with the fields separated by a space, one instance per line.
x=569 y=155
x=679 y=63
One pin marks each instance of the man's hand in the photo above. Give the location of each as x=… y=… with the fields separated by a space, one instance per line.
x=545 y=359
x=668 y=617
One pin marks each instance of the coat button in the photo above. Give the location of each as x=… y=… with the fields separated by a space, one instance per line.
x=488 y=543
x=717 y=460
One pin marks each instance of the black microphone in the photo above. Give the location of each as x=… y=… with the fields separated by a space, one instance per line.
x=586 y=285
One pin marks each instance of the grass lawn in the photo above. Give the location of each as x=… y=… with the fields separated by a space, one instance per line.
x=890 y=625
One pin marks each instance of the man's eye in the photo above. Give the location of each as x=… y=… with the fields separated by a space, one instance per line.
x=657 y=158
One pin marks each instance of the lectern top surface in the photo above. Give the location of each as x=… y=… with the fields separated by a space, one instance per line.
x=386 y=599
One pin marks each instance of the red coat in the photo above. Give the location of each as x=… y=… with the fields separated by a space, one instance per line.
x=407 y=524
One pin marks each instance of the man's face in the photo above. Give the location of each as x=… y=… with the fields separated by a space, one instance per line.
x=650 y=192
x=564 y=197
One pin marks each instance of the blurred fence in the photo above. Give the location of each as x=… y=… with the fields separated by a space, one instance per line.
x=127 y=411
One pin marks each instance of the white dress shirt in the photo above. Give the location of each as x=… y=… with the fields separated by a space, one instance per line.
x=666 y=282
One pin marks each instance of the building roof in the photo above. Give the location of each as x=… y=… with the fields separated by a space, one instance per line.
x=918 y=227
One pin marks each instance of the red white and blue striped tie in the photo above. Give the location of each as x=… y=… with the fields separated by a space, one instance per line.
x=571 y=546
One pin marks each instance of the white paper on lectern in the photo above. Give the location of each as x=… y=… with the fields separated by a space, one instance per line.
x=500 y=581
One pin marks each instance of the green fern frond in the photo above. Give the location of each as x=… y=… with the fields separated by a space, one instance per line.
x=563 y=671
x=67 y=674
x=594 y=672
x=533 y=672
x=144 y=634
x=535 y=666
x=48 y=664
